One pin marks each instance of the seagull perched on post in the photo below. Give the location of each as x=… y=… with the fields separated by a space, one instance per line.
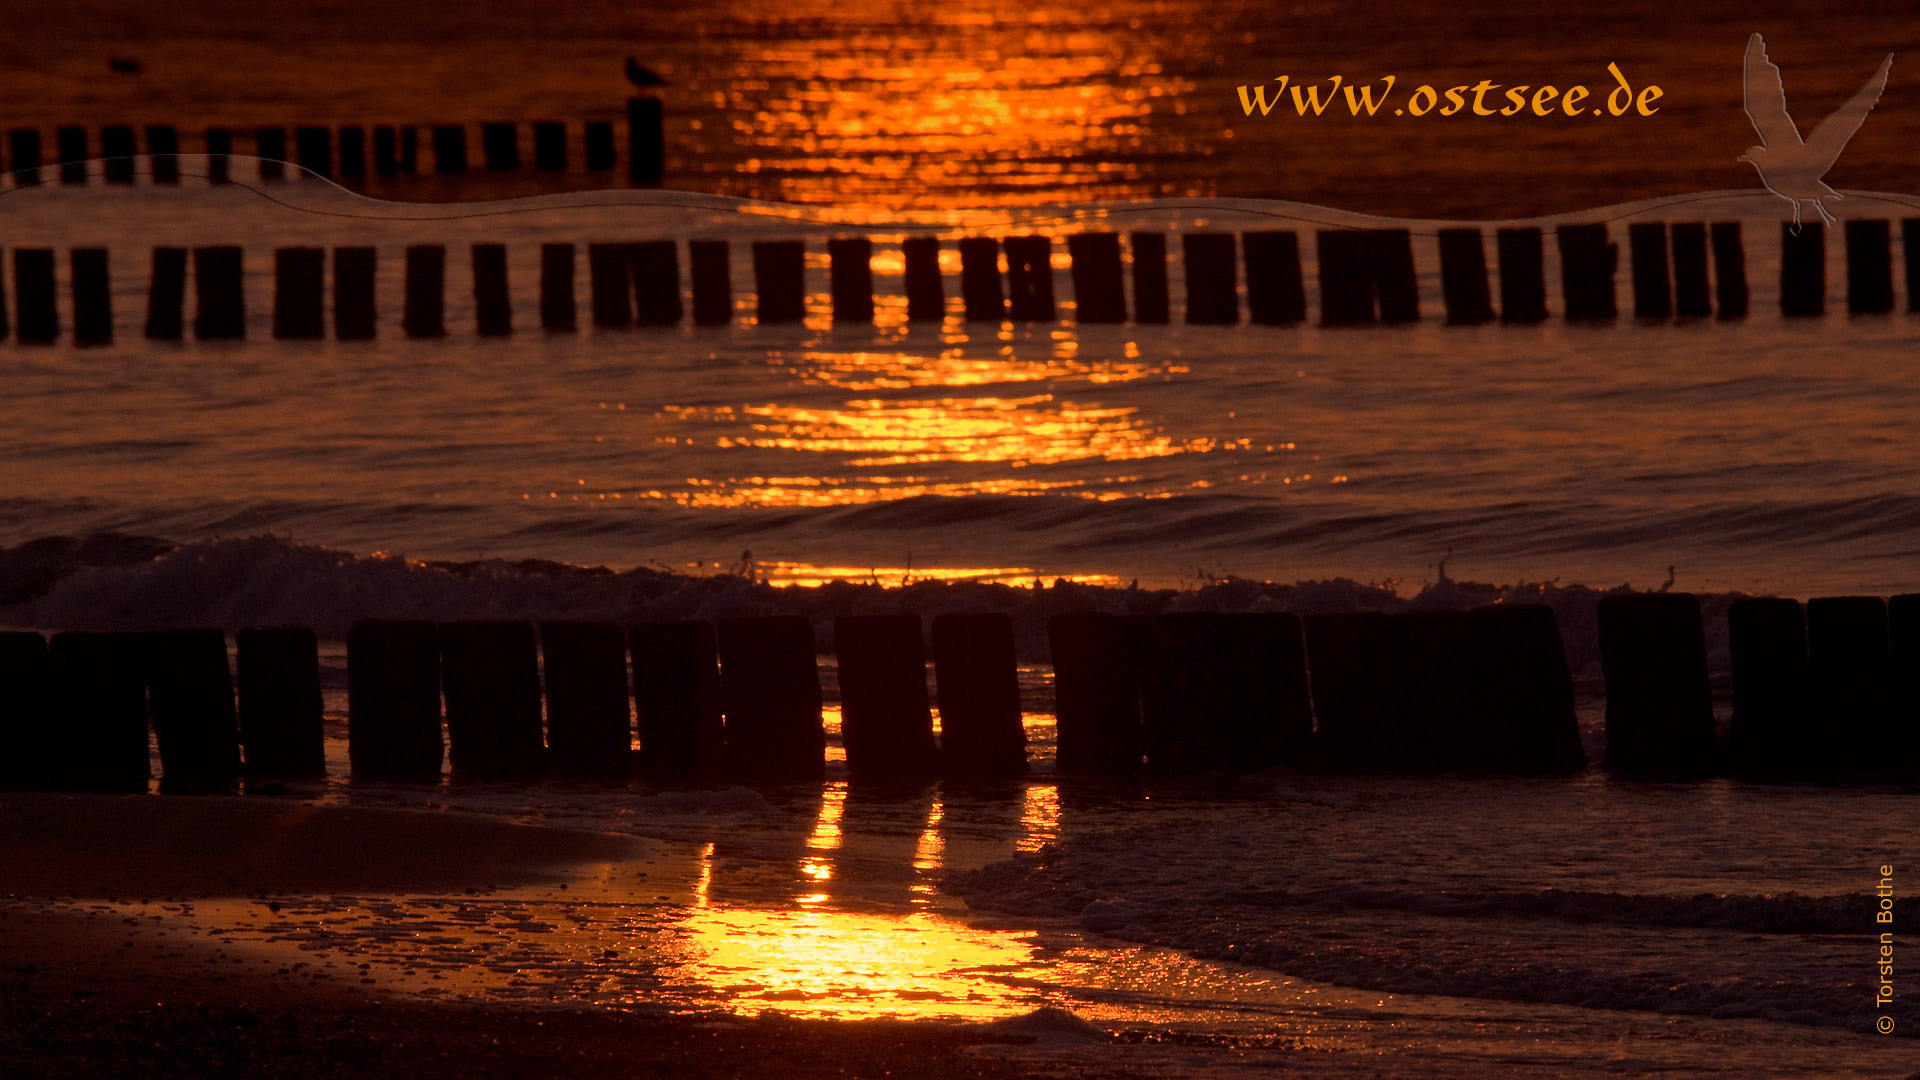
x=640 y=76
x=1789 y=166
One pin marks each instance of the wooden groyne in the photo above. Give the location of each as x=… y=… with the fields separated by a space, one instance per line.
x=1681 y=271
x=1824 y=691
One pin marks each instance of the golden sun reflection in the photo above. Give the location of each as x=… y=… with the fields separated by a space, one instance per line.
x=817 y=962
x=811 y=576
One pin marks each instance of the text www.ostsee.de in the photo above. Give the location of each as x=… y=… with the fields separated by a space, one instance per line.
x=1360 y=99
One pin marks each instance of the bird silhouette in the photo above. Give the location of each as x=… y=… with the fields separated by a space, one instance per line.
x=1789 y=166
x=640 y=76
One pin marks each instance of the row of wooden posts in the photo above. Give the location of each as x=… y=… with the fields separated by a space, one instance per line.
x=1824 y=692
x=1365 y=277
x=346 y=154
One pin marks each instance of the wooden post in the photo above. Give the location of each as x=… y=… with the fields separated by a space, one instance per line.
x=1910 y=248
x=492 y=303
x=163 y=147
x=491 y=674
x=167 y=294
x=1096 y=694
x=450 y=149
x=885 y=720
x=1523 y=283
x=1869 y=267
x=656 y=283
x=37 y=318
x=589 y=723
x=393 y=700
x=770 y=688
x=299 y=307
x=270 y=146
x=24 y=728
x=779 y=281
x=1652 y=284
x=1463 y=277
x=1213 y=287
x=386 y=152
x=1773 y=735
x=712 y=282
x=71 y=143
x=646 y=141
x=1587 y=262
x=1523 y=692
x=313 y=148
x=1348 y=657
x=1099 y=288
x=1151 y=304
x=980 y=285
x=354 y=314
x=550 y=146
x=96 y=682
x=850 y=266
x=1850 y=685
x=600 y=156
x=500 y=145
x=1692 y=296
x=1030 y=278
x=92 y=297
x=1803 y=270
x=676 y=692
x=280 y=703
x=926 y=292
x=1653 y=653
x=981 y=734
x=1346 y=279
x=424 y=307
x=558 y=313
x=610 y=273
x=353 y=153
x=219 y=149
x=220 y=309
x=190 y=695
x=1222 y=693
x=117 y=149
x=1729 y=270
x=23 y=147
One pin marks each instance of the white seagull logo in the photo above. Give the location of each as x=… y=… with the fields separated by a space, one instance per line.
x=1791 y=167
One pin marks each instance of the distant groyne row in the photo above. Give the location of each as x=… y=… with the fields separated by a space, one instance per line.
x=1827 y=691
x=347 y=154
x=1366 y=277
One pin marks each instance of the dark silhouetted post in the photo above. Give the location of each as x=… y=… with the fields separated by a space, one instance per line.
x=1692 y=296
x=850 y=273
x=492 y=303
x=1774 y=737
x=219 y=155
x=646 y=141
x=1346 y=277
x=779 y=281
x=1523 y=279
x=37 y=317
x=25 y=730
x=712 y=282
x=1523 y=691
x=1213 y=286
x=190 y=694
x=610 y=275
x=500 y=145
x=450 y=149
x=393 y=700
x=1099 y=287
x=386 y=152
x=424 y=307
x=491 y=674
x=1347 y=655
x=1029 y=278
x=589 y=724
x=1587 y=262
x=926 y=292
x=270 y=146
x=1096 y=694
x=1652 y=283
x=885 y=720
x=1152 y=302
x=167 y=294
x=220 y=299
x=96 y=681
x=163 y=146
x=280 y=704
x=770 y=688
x=353 y=153
x=1803 y=270
x=313 y=149
x=354 y=315
x=656 y=283
x=981 y=735
x=71 y=144
x=6 y=327
x=676 y=691
x=1909 y=245
x=1436 y=703
x=1276 y=294
x=1869 y=268
x=92 y=297
x=1222 y=693
x=550 y=146
x=1729 y=270
x=600 y=155
x=557 y=310
x=410 y=151
x=1463 y=277
x=23 y=149
x=118 y=149
x=980 y=288
x=1849 y=681
x=1395 y=283
x=1903 y=634
x=299 y=304
x=1653 y=653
